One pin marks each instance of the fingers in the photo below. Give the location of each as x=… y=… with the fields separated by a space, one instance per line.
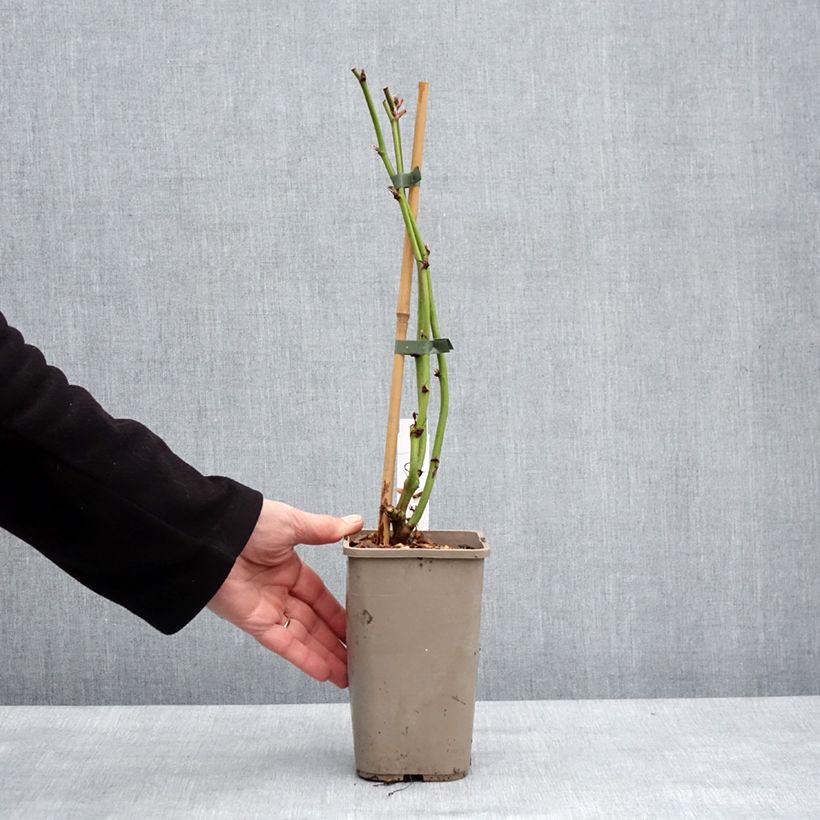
x=312 y=528
x=337 y=663
x=313 y=640
x=316 y=627
x=310 y=588
x=295 y=645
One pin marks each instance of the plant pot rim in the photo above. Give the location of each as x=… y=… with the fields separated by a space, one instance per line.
x=463 y=544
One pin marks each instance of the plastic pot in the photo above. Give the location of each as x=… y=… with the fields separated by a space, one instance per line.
x=413 y=644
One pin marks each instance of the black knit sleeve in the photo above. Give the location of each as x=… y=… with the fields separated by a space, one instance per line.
x=107 y=500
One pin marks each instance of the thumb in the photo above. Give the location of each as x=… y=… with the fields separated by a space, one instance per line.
x=312 y=528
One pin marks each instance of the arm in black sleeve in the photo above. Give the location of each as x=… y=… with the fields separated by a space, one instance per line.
x=105 y=498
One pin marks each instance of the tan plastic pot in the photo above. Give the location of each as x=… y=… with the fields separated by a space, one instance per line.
x=413 y=642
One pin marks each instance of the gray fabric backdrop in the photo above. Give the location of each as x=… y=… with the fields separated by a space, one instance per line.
x=622 y=202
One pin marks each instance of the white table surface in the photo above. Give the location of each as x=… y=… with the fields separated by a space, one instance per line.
x=750 y=757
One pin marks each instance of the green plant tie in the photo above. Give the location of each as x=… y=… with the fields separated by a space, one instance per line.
x=422 y=347
x=407 y=180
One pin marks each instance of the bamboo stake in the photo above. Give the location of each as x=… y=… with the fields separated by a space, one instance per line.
x=402 y=320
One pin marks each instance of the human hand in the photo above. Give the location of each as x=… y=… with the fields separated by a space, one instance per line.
x=273 y=595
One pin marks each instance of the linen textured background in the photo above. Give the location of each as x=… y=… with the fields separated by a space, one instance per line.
x=623 y=205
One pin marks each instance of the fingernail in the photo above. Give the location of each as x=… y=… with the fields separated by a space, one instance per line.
x=352 y=519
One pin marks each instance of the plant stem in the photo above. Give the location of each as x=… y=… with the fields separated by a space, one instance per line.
x=427 y=325
x=444 y=386
x=381 y=150
x=418 y=430
x=392 y=523
x=443 y=410
x=394 y=126
x=427 y=316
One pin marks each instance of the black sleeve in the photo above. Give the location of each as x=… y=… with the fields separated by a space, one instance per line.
x=105 y=498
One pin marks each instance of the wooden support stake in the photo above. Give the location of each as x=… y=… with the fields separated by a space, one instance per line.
x=402 y=320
